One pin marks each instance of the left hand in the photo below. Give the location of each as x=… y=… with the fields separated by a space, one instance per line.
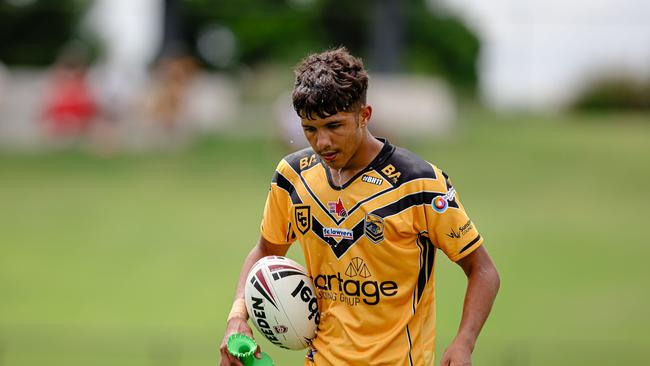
x=457 y=354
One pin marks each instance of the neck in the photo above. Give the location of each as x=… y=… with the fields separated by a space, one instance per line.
x=366 y=152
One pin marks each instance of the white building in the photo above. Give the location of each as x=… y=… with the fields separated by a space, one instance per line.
x=537 y=54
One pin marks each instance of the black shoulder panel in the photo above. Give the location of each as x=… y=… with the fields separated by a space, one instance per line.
x=403 y=166
x=301 y=159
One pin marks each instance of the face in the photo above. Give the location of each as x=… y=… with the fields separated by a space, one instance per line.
x=337 y=137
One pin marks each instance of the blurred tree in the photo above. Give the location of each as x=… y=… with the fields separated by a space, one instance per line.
x=391 y=35
x=263 y=30
x=32 y=32
x=440 y=44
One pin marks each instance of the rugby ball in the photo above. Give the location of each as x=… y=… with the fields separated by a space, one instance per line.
x=281 y=302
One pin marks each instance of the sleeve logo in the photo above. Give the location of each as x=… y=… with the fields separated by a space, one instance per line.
x=440 y=203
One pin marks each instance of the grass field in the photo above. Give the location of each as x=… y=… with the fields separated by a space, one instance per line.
x=132 y=260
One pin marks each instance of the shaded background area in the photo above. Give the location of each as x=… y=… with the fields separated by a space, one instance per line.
x=137 y=141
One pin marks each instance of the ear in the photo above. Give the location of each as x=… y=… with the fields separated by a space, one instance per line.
x=365 y=113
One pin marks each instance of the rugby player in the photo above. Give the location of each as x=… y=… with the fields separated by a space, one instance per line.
x=370 y=218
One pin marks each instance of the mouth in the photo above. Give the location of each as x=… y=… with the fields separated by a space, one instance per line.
x=329 y=157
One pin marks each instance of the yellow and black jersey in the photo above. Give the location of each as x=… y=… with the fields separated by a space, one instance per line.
x=369 y=247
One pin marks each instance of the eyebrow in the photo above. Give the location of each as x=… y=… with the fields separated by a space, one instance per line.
x=325 y=124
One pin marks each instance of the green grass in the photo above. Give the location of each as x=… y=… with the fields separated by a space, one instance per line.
x=132 y=260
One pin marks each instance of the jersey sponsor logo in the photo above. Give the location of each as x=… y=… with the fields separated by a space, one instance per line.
x=391 y=172
x=355 y=287
x=302 y=215
x=357 y=268
x=306 y=162
x=373 y=227
x=441 y=203
x=462 y=230
x=372 y=180
x=337 y=208
x=338 y=233
x=453 y=234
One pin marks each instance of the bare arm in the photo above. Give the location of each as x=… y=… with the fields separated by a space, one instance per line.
x=482 y=287
x=239 y=324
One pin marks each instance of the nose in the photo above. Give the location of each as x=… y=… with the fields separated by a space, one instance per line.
x=323 y=140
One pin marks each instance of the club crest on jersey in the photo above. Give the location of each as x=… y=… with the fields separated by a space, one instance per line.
x=337 y=208
x=441 y=203
x=373 y=227
x=302 y=215
x=337 y=233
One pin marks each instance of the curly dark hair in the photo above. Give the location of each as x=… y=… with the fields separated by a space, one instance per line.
x=329 y=82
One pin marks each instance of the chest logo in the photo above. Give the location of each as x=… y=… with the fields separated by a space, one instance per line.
x=337 y=208
x=373 y=227
x=303 y=218
x=338 y=233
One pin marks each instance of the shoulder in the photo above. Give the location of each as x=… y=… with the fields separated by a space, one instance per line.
x=297 y=161
x=287 y=172
x=403 y=166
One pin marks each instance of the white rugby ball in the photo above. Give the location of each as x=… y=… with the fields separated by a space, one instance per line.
x=281 y=302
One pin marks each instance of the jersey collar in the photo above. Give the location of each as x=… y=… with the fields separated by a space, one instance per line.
x=385 y=152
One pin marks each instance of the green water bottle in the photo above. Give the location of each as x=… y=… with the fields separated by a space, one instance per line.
x=243 y=347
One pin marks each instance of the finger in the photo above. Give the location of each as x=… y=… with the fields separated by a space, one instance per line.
x=258 y=352
x=228 y=359
x=445 y=360
x=232 y=361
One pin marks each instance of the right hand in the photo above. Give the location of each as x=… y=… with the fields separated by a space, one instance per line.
x=235 y=325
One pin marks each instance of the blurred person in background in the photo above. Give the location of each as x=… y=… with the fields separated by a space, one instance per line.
x=69 y=106
x=172 y=78
x=391 y=210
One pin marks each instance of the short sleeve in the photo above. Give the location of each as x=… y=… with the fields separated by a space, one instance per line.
x=276 y=221
x=449 y=225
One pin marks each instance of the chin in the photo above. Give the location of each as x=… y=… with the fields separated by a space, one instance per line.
x=336 y=165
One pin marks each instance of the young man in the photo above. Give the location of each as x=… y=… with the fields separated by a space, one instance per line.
x=370 y=218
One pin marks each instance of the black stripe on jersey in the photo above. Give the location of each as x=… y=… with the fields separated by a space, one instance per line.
x=407 y=164
x=290 y=234
x=470 y=244
x=426 y=266
x=320 y=204
x=284 y=183
x=294 y=159
x=408 y=337
x=413 y=199
x=354 y=208
x=342 y=246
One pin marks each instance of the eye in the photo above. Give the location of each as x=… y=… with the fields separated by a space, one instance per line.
x=308 y=129
x=333 y=126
